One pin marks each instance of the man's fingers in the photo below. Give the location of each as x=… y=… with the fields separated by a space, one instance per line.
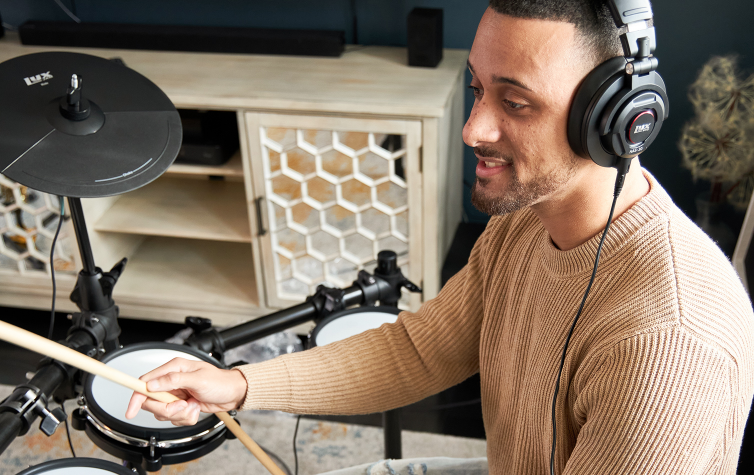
x=176 y=365
x=172 y=382
x=180 y=413
x=189 y=415
x=134 y=405
x=162 y=410
x=179 y=377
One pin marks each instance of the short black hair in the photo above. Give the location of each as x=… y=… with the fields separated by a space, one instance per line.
x=592 y=19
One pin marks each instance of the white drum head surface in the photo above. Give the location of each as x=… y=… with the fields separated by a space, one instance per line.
x=113 y=398
x=350 y=325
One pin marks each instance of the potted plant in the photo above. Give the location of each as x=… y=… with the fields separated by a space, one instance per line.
x=718 y=143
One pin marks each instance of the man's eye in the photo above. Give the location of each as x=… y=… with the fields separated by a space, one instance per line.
x=513 y=105
x=476 y=90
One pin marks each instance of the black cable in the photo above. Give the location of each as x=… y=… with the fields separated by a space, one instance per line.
x=68 y=432
x=277 y=460
x=623 y=166
x=52 y=266
x=295 y=453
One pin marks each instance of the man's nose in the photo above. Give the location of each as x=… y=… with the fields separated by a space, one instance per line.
x=483 y=125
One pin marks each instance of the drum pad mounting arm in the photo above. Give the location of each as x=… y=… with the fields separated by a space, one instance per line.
x=384 y=286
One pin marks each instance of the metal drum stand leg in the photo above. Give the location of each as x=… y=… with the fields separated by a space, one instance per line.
x=391 y=426
x=387 y=267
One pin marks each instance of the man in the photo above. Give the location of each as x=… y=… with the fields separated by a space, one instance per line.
x=658 y=377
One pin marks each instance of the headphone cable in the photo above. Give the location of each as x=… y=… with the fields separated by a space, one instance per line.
x=623 y=166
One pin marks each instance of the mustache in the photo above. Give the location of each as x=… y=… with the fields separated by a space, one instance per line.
x=490 y=152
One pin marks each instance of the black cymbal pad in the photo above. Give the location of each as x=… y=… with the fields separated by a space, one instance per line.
x=129 y=135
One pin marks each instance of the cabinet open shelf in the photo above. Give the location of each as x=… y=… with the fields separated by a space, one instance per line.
x=232 y=168
x=168 y=279
x=185 y=208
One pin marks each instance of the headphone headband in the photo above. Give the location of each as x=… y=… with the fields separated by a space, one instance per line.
x=634 y=18
x=630 y=11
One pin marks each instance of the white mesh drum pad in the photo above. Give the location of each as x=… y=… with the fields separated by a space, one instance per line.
x=350 y=325
x=113 y=398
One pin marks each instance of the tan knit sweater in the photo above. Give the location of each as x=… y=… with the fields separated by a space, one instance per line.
x=659 y=374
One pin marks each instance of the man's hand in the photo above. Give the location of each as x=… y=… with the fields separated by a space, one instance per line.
x=201 y=386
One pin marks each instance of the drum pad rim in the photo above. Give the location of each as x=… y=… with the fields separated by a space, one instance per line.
x=138 y=431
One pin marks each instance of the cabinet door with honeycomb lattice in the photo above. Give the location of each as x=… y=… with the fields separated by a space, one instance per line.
x=28 y=222
x=331 y=193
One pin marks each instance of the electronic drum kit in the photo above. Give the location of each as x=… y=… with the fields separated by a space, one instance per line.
x=80 y=126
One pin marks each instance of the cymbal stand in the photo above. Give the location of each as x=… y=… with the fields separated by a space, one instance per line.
x=93 y=293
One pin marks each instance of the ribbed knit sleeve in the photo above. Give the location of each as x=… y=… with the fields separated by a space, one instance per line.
x=394 y=365
x=658 y=404
x=658 y=377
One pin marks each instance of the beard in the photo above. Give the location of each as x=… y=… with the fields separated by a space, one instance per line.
x=518 y=195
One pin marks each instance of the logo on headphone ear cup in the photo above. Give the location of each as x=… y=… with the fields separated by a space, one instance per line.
x=615 y=114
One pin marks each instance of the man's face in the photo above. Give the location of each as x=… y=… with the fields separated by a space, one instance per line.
x=525 y=73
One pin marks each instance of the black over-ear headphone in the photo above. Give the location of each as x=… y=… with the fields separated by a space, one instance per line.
x=620 y=106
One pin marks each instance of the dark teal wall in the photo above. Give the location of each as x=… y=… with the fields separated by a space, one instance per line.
x=688 y=32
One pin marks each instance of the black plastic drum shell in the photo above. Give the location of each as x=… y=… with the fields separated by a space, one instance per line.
x=163 y=456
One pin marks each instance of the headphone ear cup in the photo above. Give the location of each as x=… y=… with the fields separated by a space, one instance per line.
x=594 y=92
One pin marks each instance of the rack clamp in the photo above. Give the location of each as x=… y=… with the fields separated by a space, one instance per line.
x=28 y=402
x=205 y=338
x=386 y=283
x=326 y=301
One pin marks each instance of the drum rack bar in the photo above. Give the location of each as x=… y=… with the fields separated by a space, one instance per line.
x=383 y=286
x=282 y=320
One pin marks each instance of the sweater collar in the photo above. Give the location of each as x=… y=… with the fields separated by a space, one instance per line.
x=581 y=258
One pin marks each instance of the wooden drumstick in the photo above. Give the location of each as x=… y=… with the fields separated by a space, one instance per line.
x=30 y=341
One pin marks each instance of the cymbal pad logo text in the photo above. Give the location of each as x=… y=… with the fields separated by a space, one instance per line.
x=31 y=80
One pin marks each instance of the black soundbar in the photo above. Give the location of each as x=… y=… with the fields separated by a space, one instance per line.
x=206 y=39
